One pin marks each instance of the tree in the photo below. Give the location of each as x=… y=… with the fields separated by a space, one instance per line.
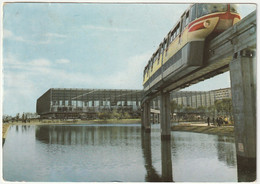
x=212 y=110
x=224 y=107
x=104 y=115
x=189 y=109
x=126 y=115
x=219 y=106
x=174 y=106
x=115 y=114
x=17 y=117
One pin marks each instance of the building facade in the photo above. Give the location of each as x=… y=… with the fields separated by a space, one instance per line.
x=197 y=99
x=78 y=103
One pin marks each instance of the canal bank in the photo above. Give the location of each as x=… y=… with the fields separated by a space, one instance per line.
x=5 y=128
x=223 y=130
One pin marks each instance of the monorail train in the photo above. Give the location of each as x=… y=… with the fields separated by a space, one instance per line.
x=181 y=51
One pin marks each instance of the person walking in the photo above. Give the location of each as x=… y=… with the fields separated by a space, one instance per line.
x=218 y=121
x=208 y=121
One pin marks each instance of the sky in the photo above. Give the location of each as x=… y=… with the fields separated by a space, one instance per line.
x=83 y=45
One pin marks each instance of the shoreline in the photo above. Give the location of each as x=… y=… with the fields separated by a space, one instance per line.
x=188 y=127
x=223 y=130
x=5 y=126
x=61 y=122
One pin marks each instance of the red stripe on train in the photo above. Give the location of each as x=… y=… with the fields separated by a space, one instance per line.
x=197 y=27
x=226 y=15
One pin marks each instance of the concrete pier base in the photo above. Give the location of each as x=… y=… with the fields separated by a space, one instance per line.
x=165 y=116
x=243 y=88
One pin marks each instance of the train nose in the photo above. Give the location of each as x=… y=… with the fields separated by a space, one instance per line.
x=224 y=24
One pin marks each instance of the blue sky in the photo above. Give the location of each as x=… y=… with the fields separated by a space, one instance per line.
x=83 y=45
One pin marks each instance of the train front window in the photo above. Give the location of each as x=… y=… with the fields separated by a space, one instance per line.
x=233 y=8
x=193 y=13
x=204 y=9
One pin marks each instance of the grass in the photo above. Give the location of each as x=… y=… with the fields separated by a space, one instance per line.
x=5 y=129
x=225 y=130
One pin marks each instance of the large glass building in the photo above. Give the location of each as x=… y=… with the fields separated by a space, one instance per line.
x=78 y=103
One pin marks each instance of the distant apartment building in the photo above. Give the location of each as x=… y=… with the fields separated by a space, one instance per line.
x=197 y=99
x=222 y=93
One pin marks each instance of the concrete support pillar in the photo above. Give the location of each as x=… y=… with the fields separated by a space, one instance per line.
x=147 y=116
x=243 y=87
x=165 y=116
x=142 y=118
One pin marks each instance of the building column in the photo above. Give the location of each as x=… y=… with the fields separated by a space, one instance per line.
x=165 y=116
x=243 y=88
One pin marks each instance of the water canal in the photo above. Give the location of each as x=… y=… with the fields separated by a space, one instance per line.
x=111 y=153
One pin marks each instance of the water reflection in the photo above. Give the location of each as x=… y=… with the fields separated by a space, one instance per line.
x=23 y=128
x=166 y=161
x=152 y=174
x=91 y=135
x=115 y=153
x=226 y=151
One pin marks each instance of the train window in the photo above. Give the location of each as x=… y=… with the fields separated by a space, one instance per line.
x=193 y=13
x=161 y=51
x=178 y=29
x=204 y=9
x=187 y=19
x=165 y=44
x=183 y=23
x=212 y=8
x=167 y=41
x=173 y=34
x=158 y=54
x=233 y=8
